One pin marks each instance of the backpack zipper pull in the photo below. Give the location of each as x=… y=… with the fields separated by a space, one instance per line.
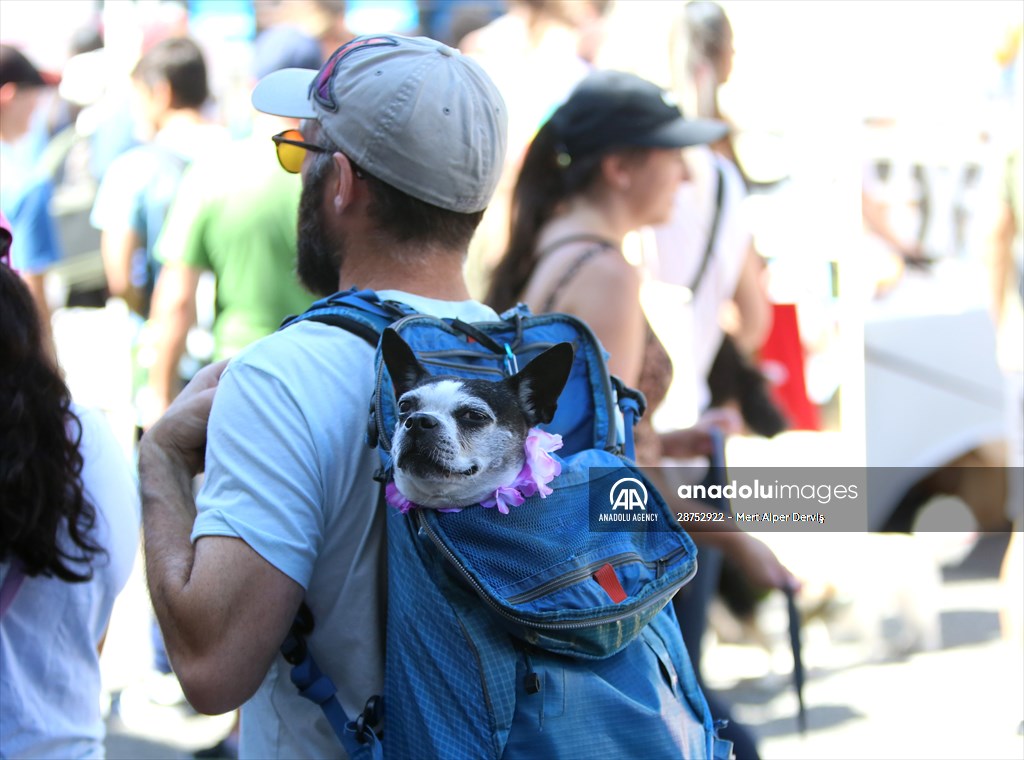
x=531 y=682
x=511 y=363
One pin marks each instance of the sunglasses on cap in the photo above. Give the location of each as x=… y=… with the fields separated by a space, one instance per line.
x=290 y=147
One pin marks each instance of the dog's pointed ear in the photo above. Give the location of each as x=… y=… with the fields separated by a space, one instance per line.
x=403 y=366
x=539 y=384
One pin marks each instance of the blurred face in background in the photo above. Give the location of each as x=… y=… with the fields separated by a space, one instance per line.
x=653 y=183
x=148 y=108
x=17 y=102
x=723 y=64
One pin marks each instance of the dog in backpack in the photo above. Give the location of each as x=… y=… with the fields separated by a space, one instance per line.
x=458 y=442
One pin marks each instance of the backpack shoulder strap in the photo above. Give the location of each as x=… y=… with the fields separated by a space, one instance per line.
x=360 y=312
x=356 y=736
x=363 y=314
x=355 y=326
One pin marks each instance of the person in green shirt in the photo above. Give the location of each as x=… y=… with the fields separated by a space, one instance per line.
x=234 y=214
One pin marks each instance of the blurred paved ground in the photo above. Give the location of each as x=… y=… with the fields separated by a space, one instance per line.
x=963 y=700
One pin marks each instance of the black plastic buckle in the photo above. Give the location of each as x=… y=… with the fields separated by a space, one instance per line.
x=294 y=647
x=624 y=391
x=303 y=623
x=369 y=718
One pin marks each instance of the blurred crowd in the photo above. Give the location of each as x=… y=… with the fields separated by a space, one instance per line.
x=138 y=182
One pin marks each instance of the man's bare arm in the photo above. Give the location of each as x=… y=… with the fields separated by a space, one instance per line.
x=116 y=247
x=222 y=608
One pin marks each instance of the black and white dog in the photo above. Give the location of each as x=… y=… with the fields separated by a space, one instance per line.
x=458 y=440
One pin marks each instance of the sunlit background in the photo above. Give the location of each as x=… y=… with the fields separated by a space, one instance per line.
x=912 y=104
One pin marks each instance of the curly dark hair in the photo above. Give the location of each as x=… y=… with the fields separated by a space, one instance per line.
x=45 y=520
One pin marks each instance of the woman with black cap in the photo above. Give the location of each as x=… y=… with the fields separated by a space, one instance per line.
x=606 y=163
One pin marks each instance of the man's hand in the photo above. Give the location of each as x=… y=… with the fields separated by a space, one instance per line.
x=181 y=433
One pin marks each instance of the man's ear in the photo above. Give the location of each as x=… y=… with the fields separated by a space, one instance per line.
x=539 y=384
x=343 y=182
x=403 y=366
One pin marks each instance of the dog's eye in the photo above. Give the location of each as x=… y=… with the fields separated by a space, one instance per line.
x=472 y=415
x=404 y=406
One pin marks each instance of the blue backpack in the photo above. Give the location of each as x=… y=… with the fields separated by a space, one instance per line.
x=532 y=634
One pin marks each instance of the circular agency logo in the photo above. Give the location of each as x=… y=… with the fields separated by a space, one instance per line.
x=628 y=493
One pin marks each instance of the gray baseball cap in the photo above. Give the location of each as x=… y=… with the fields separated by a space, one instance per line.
x=411 y=111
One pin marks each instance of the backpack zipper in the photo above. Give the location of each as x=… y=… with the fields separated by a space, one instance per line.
x=586 y=571
x=555 y=626
x=426 y=359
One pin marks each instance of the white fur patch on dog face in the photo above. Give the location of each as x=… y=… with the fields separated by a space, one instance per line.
x=443 y=397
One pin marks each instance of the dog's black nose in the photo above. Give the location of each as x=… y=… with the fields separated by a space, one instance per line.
x=421 y=421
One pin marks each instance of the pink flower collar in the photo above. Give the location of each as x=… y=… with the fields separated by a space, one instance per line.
x=539 y=469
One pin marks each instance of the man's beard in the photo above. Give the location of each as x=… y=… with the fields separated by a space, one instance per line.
x=319 y=253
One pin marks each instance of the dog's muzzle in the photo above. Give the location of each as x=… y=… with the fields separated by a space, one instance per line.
x=425 y=451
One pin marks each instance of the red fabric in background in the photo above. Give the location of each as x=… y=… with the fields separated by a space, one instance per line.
x=782 y=361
